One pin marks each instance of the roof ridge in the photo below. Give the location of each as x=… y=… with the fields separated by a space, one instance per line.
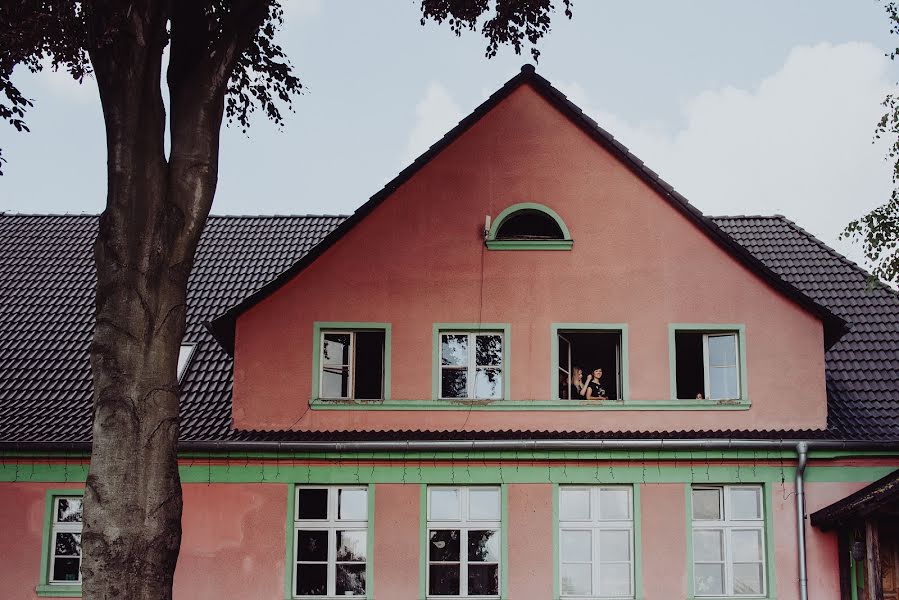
x=211 y=216
x=18 y=214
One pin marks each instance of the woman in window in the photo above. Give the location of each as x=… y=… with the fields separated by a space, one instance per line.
x=578 y=387
x=593 y=388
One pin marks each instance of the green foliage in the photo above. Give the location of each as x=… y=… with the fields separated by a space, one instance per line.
x=878 y=230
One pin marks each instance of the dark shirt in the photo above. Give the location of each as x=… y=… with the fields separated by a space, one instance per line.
x=596 y=389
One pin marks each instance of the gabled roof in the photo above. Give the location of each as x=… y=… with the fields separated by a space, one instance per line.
x=222 y=327
x=46 y=320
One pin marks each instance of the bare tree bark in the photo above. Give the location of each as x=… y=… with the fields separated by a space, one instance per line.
x=155 y=212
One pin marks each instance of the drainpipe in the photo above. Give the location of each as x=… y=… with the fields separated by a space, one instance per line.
x=801 y=462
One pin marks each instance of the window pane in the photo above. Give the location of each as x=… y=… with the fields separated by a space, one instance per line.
x=614 y=545
x=336 y=349
x=488 y=383
x=352 y=505
x=68 y=544
x=483 y=580
x=68 y=510
x=488 y=350
x=577 y=545
x=576 y=580
x=335 y=382
x=483 y=546
x=454 y=383
x=66 y=569
x=747 y=578
x=368 y=375
x=709 y=579
x=313 y=503
x=443 y=504
x=454 y=350
x=615 y=580
x=312 y=580
x=708 y=544
x=723 y=383
x=483 y=504
x=312 y=545
x=350 y=580
x=706 y=504
x=747 y=545
x=351 y=545
x=444 y=580
x=745 y=503
x=574 y=504
x=722 y=350
x=444 y=545
x=614 y=505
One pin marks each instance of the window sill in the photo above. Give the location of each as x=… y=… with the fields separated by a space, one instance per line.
x=47 y=590
x=525 y=405
x=529 y=244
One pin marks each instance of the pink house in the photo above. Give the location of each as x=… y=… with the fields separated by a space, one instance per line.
x=526 y=368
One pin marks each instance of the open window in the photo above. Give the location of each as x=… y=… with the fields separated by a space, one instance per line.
x=589 y=365
x=707 y=365
x=185 y=354
x=352 y=364
x=529 y=226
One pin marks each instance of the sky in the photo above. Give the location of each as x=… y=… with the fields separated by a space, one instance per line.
x=763 y=107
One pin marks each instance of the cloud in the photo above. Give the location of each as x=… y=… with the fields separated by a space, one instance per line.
x=435 y=114
x=798 y=144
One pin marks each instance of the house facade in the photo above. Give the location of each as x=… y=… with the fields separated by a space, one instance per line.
x=526 y=368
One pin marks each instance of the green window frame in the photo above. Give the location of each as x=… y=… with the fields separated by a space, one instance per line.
x=765 y=524
x=440 y=329
x=46 y=587
x=711 y=329
x=525 y=244
x=557 y=329
x=321 y=327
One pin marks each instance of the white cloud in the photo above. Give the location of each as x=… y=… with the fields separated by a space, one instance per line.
x=435 y=114
x=798 y=144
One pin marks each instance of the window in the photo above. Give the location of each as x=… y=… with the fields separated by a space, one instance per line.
x=185 y=353
x=708 y=365
x=464 y=541
x=471 y=365
x=528 y=226
x=591 y=357
x=330 y=541
x=65 y=540
x=596 y=539
x=728 y=541
x=352 y=364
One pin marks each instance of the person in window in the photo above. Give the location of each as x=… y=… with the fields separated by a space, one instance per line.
x=593 y=388
x=578 y=387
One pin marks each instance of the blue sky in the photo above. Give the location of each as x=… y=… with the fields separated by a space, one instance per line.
x=752 y=107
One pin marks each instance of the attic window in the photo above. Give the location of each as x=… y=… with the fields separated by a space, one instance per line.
x=185 y=353
x=528 y=226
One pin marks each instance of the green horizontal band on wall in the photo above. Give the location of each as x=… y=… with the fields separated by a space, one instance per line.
x=421 y=471
x=525 y=405
x=58 y=591
x=530 y=244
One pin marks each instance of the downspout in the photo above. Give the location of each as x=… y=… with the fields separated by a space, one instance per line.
x=801 y=462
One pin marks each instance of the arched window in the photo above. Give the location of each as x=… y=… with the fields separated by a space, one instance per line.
x=529 y=226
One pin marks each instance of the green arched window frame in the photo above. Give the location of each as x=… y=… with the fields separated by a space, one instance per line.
x=494 y=244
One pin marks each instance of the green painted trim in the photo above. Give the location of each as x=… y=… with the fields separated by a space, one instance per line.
x=557 y=583
x=319 y=326
x=370 y=545
x=770 y=577
x=423 y=540
x=637 y=515
x=353 y=470
x=289 y=564
x=740 y=328
x=533 y=405
x=624 y=403
x=530 y=244
x=504 y=538
x=44 y=587
x=533 y=206
x=439 y=404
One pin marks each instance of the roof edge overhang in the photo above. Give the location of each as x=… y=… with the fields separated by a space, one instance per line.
x=223 y=326
x=857 y=506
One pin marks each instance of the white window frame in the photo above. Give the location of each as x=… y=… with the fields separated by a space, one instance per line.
x=351 y=367
x=64 y=527
x=594 y=524
x=332 y=525
x=706 y=367
x=727 y=526
x=464 y=524
x=472 y=366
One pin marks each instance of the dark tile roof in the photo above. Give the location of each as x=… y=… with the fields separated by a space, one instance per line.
x=46 y=308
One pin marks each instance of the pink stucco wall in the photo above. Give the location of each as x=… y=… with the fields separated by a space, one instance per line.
x=418 y=259
x=664 y=538
x=530 y=541
x=397 y=541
